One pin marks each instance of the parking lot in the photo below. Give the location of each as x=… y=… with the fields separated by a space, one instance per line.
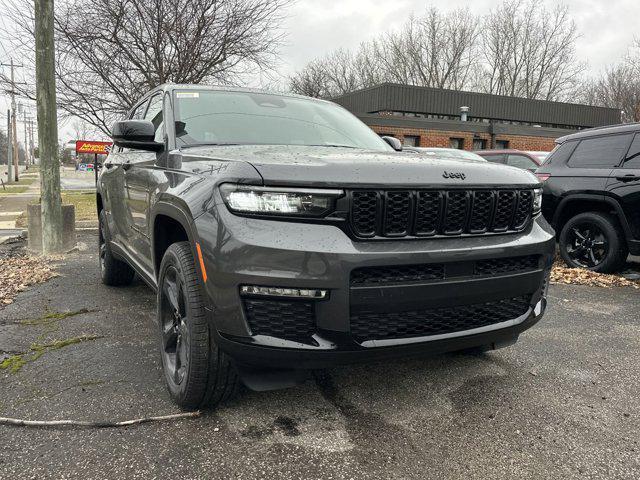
x=563 y=403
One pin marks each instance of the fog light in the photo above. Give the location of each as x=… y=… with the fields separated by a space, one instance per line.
x=282 y=292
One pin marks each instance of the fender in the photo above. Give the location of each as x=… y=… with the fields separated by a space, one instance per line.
x=611 y=202
x=172 y=207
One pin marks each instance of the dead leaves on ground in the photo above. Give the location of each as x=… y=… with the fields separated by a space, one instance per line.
x=579 y=276
x=19 y=272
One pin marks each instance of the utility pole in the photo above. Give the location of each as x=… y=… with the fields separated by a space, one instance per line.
x=48 y=128
x=32 y=158
x=9 y=149
x=26 y=134
x=14 y=128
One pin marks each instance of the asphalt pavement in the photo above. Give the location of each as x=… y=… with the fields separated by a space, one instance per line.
x=562 y=403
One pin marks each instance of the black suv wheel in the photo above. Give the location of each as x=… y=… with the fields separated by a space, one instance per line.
x=113 y=272
x=197 y=373
x=594 y=241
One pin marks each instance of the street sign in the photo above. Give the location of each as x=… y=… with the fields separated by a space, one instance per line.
x=88 y=146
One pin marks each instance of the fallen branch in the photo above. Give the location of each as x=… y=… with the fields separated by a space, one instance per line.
x=16 y=422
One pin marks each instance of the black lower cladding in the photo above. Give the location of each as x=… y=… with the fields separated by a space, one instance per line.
x=286 y=319
x=436 y=321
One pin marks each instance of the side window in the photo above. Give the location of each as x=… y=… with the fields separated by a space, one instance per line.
x=602 y=152
x=494 y=158
x=138 y=112
x=561 y=153
x=632 y=160
x=154 y=115
x=521 y=161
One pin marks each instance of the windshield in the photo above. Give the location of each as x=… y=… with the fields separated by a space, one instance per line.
x=208 y=117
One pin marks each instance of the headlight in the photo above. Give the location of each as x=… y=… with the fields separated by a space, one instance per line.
x=537 y=200
x=307 y=202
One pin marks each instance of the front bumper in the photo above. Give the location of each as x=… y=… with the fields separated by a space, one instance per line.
x=241 y=251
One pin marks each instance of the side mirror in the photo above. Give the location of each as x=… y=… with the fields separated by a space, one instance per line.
x=135 y=134
x=394 y=142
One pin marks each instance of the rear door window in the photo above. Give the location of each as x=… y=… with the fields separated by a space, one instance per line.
x=600 y=152
x=521 y=161
x=494 y=158
x=632 y=160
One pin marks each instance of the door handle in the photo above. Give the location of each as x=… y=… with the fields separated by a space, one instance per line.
x=630 y=177
x=127 y=165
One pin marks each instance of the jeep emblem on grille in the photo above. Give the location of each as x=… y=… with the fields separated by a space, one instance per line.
x=459 y=175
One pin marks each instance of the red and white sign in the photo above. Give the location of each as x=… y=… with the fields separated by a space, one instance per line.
x=88 y=146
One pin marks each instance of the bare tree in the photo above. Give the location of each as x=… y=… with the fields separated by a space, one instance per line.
x=529 y=51
x=110 y=52
x=435 y=50
x=618 y=86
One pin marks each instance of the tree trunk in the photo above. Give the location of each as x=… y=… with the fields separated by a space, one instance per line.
x=48 y=128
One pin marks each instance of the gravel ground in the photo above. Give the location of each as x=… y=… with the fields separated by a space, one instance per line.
x=562 y=403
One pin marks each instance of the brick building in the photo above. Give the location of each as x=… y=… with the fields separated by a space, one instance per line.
x=431 y=117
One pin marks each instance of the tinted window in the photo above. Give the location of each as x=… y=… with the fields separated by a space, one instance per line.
x=633 y=156
x=521 y=161
x=154 y=115
x=494 y=158
x=561 y=153
x=602 y=152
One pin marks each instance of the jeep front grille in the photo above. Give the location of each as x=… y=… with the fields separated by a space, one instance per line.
x=429 y=213
x=436 y=321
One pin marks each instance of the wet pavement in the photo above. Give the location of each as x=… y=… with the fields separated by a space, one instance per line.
x=564 y=402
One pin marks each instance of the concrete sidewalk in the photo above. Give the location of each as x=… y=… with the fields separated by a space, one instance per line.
x=12 y=206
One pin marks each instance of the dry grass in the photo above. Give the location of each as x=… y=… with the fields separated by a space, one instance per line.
x=579 y=276
x=21 y=271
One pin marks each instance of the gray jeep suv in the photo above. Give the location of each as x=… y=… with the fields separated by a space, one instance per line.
x=281 y=234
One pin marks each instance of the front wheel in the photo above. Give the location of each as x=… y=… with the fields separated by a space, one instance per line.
x=593 y=240
x=196 y=372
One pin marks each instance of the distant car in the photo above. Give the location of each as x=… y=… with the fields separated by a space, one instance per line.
x=541 y=156
x=446 y=153
x=513 y=158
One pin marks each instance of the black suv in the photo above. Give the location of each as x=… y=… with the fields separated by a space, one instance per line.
x=282 y=234
x=592 y=196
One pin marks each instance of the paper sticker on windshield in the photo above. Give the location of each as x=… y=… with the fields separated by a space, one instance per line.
x=187 y=94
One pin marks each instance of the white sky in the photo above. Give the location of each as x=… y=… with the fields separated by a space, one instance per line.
x=316 y=27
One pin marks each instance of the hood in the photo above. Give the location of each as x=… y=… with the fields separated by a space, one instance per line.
x=344 y=167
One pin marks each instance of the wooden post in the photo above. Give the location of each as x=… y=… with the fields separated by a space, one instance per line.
x=48 y=128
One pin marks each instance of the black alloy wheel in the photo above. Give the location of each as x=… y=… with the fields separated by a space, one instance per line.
x=174 y=318
x=587 y=245
x=197 y=373
x=595 y=241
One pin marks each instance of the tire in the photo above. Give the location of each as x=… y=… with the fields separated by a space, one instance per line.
x=113 y=272
x=196 y=372
x=595 y=241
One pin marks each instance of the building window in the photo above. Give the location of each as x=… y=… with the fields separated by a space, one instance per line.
x=411 y=141
x=502 y=144
x=457 y=143
x=479 y=144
